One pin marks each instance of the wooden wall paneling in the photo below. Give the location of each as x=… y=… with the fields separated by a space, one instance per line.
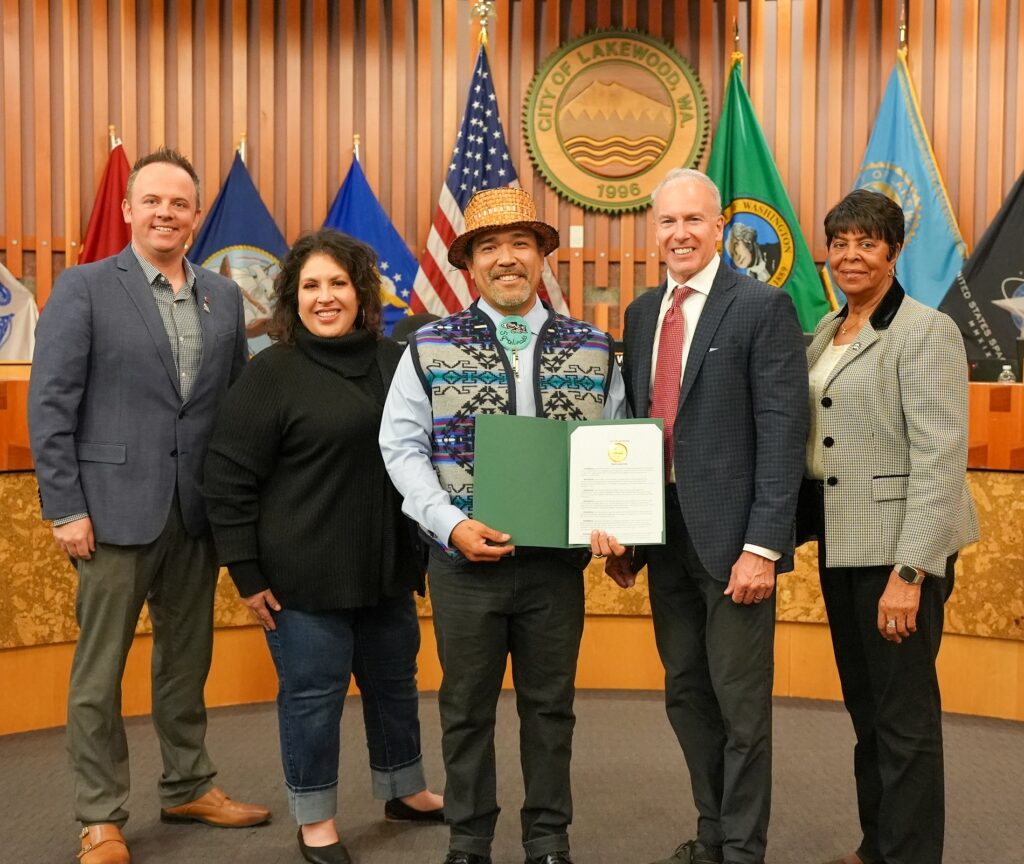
x=318 y=116
x=968 y=130
x=13 y=168
x=397 y=135
x=41 y=154
x=452 y=102
x=265 y=102
x=128 y=122
x=941 y=109
x=157 y=78
x=996 y=87
x=291 y=178
x=95 y=142
x=72 y=132
x=833 y=165
x=757 y=66
x=425 y=202
x=889 y=35
x=499 y=51
x=783 y=89
x=181 y=40
x=239 y=60
x=346 y=87
x=209 y=97
x=863 y=99
x=374 y=53
x=808 y=136
x=916 y=38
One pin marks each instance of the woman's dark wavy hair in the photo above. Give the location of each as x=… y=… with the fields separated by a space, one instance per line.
x=871 y=214
x=358 y=259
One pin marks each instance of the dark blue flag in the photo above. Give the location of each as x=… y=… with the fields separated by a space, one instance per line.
x=240 y=240
x=357 y=211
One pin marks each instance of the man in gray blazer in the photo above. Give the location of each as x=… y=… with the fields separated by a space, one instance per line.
x=719 y=356
x=133 y=354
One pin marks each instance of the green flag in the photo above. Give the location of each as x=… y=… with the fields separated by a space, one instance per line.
x=762 y=235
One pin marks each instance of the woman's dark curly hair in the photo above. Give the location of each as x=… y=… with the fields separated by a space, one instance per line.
x=358 y=259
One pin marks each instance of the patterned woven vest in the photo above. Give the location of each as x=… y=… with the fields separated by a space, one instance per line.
x=465 y=372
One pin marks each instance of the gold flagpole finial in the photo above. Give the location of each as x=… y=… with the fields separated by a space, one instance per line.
x=243 y=146
x=483 y=9
x=355 y=145
x=903 y=25
x=112 y=138
x=737 y=55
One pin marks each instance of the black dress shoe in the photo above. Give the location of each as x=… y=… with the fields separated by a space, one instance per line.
x=396 y=810
x=333 y=854
x=550 y=858
x=693 y=852
x=457 y=857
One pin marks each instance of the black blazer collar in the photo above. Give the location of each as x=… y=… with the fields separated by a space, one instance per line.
x=882 y=317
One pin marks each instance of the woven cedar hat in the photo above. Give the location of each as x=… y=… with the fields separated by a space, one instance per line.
x=500 y=209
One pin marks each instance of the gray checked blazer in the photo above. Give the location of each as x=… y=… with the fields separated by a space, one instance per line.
x=893 y=418
x=741 y=425
x=110 y=434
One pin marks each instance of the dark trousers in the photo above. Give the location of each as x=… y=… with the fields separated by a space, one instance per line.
x=719 y=665
x=529 y=607
x=176 y=575
x=316 y=654
x=892 y=694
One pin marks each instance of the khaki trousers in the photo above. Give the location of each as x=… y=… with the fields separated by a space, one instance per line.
x=176 y=575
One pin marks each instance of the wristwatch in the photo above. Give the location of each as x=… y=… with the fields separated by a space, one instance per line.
x=908 y=574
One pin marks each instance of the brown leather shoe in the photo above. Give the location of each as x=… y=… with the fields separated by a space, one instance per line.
x=103 y=844
x=215 y=808
x=852 y=858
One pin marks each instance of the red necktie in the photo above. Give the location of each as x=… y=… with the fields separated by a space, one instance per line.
x=665 y=398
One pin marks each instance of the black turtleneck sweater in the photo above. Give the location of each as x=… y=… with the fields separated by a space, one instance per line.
x=295 y=485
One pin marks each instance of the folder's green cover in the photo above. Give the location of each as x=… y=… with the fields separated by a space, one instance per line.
x=521 y=476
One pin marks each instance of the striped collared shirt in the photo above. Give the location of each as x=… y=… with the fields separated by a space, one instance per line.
x=180 y=314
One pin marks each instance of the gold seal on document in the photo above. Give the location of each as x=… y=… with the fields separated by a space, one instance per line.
x=618 y=452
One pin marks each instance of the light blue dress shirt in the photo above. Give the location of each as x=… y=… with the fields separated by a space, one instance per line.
x=408 y=420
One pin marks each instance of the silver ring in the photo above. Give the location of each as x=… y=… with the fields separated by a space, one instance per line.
x=597 y=554
x=890 y=624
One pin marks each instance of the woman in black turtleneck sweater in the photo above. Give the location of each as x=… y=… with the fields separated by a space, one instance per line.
x=311 y=530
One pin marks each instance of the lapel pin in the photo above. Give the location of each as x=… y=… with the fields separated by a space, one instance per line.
x=206 y=303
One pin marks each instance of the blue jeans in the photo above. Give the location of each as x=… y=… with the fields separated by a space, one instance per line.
x=316 y=653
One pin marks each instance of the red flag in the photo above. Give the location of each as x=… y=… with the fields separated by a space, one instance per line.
x=108 y=233
x=480 y=161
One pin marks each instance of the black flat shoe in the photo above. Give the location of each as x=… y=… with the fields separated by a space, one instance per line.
x=333 y=854
x=396 y=810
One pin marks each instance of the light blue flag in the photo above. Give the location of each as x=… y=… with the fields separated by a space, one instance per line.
x=900 y=163
x=357 y=211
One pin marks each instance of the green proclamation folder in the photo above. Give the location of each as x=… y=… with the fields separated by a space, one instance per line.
x=521 y=475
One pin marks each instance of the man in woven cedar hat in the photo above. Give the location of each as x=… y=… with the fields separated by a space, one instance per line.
x=507 y=353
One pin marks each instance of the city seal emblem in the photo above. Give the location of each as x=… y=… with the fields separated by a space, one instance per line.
x=757 y=241
x=609 y=113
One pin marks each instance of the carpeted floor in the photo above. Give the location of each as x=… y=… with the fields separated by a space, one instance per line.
x=633 y=801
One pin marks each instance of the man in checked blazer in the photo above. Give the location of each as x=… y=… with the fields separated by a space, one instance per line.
x=737 y=443
x=133 y=354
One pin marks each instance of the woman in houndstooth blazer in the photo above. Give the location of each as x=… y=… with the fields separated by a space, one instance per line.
x=886 y=496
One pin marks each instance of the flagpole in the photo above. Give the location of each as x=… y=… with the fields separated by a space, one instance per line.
x=113 y=140
x=903 y=26
x=355 y=146
x=243 y=146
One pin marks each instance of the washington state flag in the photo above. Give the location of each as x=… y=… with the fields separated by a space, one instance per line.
x=762 y=236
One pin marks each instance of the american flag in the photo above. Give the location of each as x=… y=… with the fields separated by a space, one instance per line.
x=480 y=161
